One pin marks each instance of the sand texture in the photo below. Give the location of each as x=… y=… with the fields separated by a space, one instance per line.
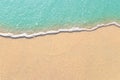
x=66 y=56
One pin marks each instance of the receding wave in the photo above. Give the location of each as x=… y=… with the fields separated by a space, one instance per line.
x=73 y=29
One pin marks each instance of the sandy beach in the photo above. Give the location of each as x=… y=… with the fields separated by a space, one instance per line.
x=66 y=56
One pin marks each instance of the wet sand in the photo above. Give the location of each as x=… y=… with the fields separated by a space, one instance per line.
x=66 y=56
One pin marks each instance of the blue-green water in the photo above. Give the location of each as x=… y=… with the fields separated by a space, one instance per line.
x=48 y=14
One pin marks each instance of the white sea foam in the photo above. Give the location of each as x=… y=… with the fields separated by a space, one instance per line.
x=73 y=29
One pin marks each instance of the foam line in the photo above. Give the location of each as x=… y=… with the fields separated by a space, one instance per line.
x=73 y=29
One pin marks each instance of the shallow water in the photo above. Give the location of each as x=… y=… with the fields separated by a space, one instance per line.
x=28 y=15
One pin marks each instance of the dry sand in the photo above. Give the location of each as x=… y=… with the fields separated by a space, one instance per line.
x=66 y=56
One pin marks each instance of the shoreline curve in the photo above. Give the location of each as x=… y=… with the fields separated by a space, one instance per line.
x=52 y=32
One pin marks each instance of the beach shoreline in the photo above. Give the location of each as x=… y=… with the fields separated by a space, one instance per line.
x=52 y=32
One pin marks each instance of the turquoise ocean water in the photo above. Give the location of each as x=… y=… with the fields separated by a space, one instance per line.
x=28 y=15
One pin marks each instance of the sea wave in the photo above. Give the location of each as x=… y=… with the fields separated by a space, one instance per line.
x=50 y=32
